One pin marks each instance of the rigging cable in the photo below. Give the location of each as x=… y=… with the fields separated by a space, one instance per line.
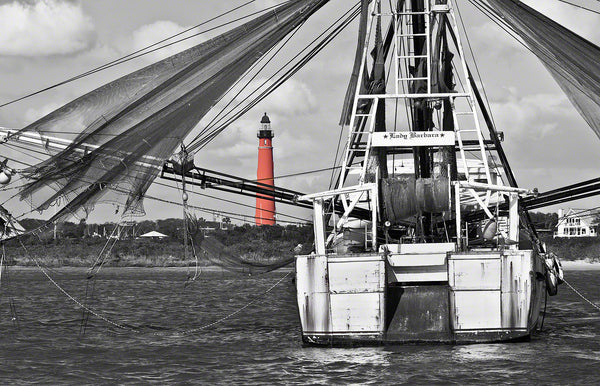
x=90 y=283
x=221 y=320
x=71 y=297
x=4 y=263
x=597 y=307
x=580 y=6
x=200 y=142
x=271 y=88
x=475 y=63
x=134 y=330
x=267 y=61
x=499 y=21
x=146 y=50
x=198 y=194
x=303 y=221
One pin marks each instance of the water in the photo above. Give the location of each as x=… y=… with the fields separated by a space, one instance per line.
x=259 y=345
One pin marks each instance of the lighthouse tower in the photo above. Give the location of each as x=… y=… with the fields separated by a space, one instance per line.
x=265 y=208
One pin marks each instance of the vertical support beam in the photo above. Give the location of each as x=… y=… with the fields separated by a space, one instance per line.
x=353 y=119
x=397 y=50
x=319 y=226
x=513 y=218
x=428 y=44
x=469 y=89
x=458 y=219
x=374 y=206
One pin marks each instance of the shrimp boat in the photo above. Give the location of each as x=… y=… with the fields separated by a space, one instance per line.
x=424 y=236
x=445 y=252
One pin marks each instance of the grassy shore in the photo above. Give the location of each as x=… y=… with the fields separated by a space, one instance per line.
x=237 y=244
x=576 y=249
x=86 y=252
x=164 y=253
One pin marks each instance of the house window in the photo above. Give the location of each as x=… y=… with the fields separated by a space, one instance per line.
x=583 y=231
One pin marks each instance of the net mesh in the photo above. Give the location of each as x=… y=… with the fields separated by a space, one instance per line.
x=121 y=133
x=573 y=61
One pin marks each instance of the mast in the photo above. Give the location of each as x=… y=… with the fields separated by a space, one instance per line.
x=441 y=119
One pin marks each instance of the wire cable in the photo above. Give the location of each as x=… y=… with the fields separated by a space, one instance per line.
x=146 y=50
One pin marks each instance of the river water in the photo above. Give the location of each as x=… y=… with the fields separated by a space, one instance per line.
x=163 y=340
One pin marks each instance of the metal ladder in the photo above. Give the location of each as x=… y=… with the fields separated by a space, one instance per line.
x=460 y=133
x=405 y=60
x=357 y=146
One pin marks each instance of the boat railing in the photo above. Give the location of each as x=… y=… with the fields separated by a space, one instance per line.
x=349 y=197
x=474 y=191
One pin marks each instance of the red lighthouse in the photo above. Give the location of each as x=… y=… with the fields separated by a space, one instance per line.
x=265 y=208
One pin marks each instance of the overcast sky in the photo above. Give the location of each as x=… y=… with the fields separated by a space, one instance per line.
x=43 y=42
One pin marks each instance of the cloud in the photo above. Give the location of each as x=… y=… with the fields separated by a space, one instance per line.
x=150 y=34
x=33 y=114
x=44 y=28
x=488 y=32
x=291 y=98
x=262 y=4
x=580 y=21
x=532 y=115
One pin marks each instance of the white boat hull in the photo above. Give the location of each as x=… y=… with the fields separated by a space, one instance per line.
x=419 y=293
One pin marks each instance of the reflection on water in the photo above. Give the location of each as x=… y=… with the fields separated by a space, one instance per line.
x=355 y=356
x=261 y=344
x=481 y=352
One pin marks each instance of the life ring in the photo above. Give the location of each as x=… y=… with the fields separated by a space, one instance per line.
x=554 y=274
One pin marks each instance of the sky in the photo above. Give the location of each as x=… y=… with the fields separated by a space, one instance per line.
x=46 y=41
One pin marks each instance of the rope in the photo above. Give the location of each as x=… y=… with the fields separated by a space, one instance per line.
x=123 y=327
x=582 y=296
x=234 y=215
x=91 y=277
x=580 y=6
x=101 y=263
x=71 y=297
x=147 y=50
x=221 y=320
x=2 y=264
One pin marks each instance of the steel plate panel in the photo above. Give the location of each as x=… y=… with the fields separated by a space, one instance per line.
x=357 y=312
x=475 y=274
x=356 y=277
x=476 y=310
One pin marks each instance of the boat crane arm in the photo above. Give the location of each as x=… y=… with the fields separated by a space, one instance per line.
x=210 y=179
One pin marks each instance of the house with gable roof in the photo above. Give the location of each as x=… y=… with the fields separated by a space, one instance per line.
x=575 y=223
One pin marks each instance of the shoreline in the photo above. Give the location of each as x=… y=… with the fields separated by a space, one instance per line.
x=568 y=265
x=580 y=265
x=113 y=268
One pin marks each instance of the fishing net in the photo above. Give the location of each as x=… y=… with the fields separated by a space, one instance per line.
x=218 y=254
x=573 y=61
x=245 y=260
x=119 y=135
x=9 y=226
x=354 y=77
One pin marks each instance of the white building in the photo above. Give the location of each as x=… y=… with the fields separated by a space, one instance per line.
x=570 y=224
x=154 y=235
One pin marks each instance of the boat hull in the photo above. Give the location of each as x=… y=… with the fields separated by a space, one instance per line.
x=422 y=293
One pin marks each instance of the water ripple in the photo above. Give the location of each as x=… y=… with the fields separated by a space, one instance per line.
x=260 y=345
